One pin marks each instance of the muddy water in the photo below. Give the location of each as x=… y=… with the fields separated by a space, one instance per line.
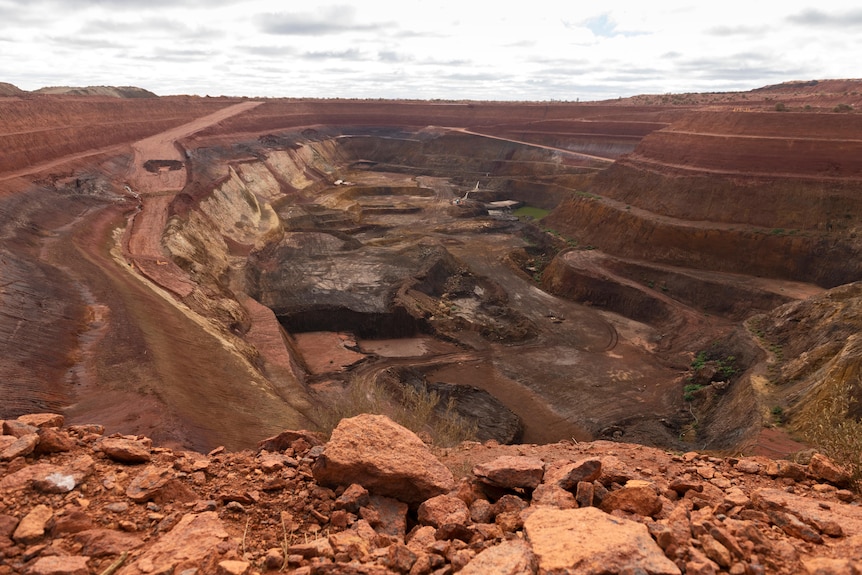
x=541 y=424
x=406 y=347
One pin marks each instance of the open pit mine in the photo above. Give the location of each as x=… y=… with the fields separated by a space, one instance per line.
x=677 y=271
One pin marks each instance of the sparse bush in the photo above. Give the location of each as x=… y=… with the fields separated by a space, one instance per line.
x=689 y=390
x=780 y=107
x=826 y=426
x=843 y=108
x=418 y=410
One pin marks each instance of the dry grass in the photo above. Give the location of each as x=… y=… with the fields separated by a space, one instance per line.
x=418 y=410
x=824 y=424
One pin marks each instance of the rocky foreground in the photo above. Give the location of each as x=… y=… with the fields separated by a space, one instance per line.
x=376 y=500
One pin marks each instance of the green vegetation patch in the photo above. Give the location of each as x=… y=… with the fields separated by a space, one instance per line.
x=531 y=212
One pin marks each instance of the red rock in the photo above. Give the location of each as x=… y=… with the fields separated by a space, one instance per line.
x=7 y=526
x=18 y=429
x=782 y=468
x=6 y=441
x=274 y=559
x=590 y=542
x=53 y=441
x=42 y=420
x=350 y=543
x=383 y=457
x=715 y=551
x=32 y=527
x=233 y=567
x=509 y=521
x=614 y=471
x=839 y=517
x=421 y=539
x=354 y=497
x=124 y=450
x=147 y=481
x=73 y=522
x=443 y=509
x=508 y=558
x=635 y=497
x=829 y=566
x=584 y=494
x=748 y=466
x=511 y=472
x=481 y=511
x=191 y=544
x=400 y=558
x=21 y=447
x=315 y=548
x=59 y=565
x=106 y=542
x=553 y=495
x=284 y=440
x=568 y=474
x=392 y=514
x=821 y=467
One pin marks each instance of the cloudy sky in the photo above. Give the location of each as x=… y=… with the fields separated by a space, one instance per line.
x=466 y=49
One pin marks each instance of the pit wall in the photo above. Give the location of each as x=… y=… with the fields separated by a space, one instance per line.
x=38 y=129
x=818 y=205
x=795 y=145
x=819 y=259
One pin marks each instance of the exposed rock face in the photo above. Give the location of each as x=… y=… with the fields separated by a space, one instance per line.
x=263 y=511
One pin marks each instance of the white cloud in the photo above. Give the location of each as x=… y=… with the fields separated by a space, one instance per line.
x=426 y=49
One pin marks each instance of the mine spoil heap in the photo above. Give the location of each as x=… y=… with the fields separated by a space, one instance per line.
x=662 y=333
x=375 y=499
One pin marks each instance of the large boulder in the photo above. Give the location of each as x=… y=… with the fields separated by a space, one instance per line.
x=590 y=542
x=383 y=457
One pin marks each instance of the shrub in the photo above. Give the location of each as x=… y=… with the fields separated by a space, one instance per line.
x=689 y=390
x=418 y=410
x=826 y=426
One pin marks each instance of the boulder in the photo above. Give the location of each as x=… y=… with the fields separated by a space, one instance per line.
x=508 y=558
x=123 y=450
x=32 y=527
x=383 y=457
x=43 y=420
x=590 y=542
x=637 y=497
x=21 y=447
x=443 y=509
x=567 y=474
x=821 y=467
x=193 y=544
x=511 y=472
x=53 y=440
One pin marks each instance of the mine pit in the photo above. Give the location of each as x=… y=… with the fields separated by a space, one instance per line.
x=554 y=274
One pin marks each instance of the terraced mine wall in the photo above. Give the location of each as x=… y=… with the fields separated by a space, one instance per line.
x=37 y=129
x=679 y=236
